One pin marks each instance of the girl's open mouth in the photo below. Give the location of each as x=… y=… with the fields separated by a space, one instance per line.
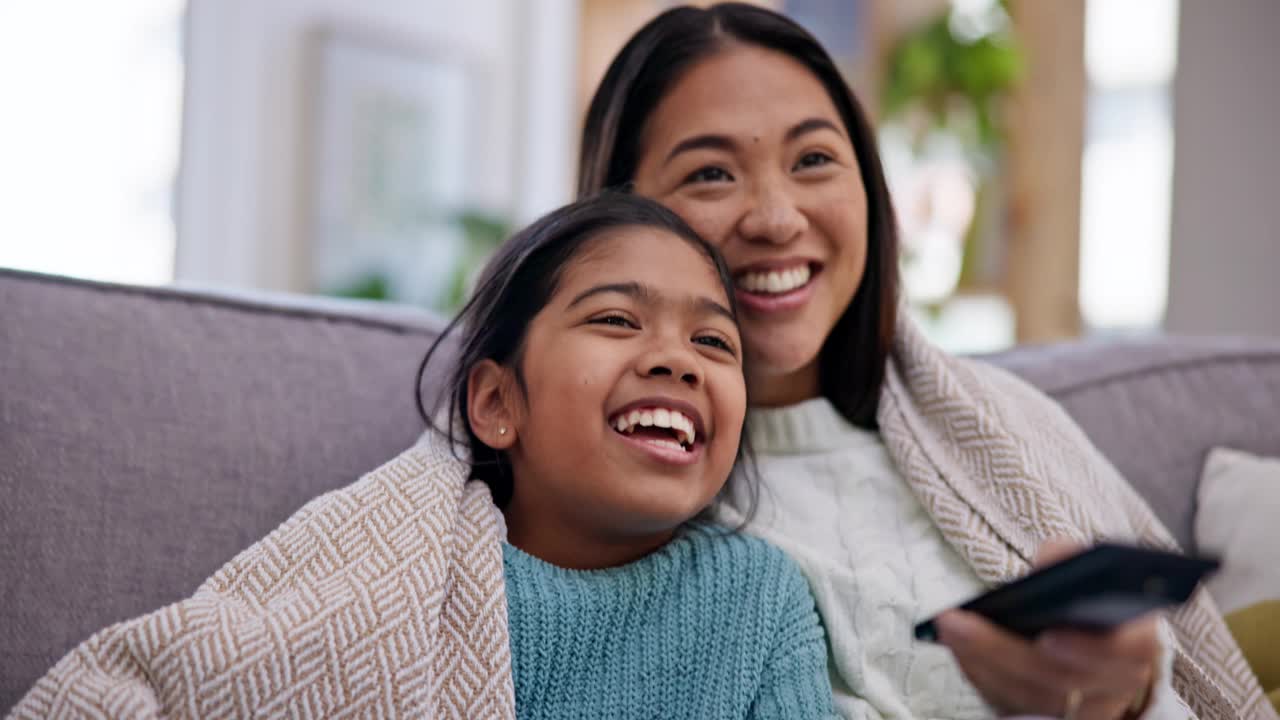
x=663 y=432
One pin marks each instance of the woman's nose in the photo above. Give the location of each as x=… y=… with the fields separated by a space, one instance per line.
x=773 y=216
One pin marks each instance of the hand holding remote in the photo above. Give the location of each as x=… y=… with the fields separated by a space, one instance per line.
x=1088 y=674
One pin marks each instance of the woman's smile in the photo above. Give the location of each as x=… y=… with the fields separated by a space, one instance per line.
x=776 y=286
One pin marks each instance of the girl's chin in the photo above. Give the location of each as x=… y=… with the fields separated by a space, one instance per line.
x=656 y=516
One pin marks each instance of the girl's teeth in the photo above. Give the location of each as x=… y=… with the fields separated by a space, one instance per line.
x=659 y=417
x=672 y=444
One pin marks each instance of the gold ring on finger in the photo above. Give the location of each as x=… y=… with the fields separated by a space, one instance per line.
x=1074 y=700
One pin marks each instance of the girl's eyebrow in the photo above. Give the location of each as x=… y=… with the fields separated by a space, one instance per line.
x=632 y=290
x=644 y=294
x=706 y=306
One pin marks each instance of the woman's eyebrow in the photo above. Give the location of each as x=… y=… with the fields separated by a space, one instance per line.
x=809 y=125
x=724 y=142
x=702 y=142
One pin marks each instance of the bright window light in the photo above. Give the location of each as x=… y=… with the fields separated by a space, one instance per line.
x=1130 y=52
x=91 y=107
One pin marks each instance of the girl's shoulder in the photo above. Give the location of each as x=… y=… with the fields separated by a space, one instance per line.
x=743 y=561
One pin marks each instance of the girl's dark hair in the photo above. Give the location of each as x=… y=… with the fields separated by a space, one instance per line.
x=514 y=286
x=851 y=364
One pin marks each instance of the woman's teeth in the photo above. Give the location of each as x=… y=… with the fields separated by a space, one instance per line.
x=681 y=426
x=775 y=281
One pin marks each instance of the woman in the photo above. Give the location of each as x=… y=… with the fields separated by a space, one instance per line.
x=902 y=480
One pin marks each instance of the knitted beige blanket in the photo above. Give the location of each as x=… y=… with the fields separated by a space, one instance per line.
x=386 y=598
x=1001 y=468
x=383 y=599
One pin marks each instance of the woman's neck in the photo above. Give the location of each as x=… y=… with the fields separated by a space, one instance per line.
x=576 y=546
x=776 y=389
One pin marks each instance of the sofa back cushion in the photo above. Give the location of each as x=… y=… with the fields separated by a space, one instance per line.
x=147 y=436
x=1156 y=406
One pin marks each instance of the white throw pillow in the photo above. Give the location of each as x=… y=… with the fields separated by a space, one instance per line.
x=1239 y=521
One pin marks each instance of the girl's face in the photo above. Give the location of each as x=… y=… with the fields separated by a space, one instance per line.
x=748 y=148
x=633 y=398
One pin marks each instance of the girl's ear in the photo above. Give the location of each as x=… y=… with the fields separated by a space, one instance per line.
x=491 y=404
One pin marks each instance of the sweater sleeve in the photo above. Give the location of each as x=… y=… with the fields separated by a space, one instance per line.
x=795 y=682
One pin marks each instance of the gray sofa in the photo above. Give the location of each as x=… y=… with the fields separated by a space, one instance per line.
x=147 y=435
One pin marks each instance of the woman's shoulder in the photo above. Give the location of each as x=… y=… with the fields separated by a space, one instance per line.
x=1017 y=401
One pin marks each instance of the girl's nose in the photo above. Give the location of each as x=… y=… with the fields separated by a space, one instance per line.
x=674 y=362
x=689 y=377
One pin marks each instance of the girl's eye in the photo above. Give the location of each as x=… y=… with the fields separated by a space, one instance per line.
x=715 y=342
x=813 y=159
x=708 y=174
x=615 y=320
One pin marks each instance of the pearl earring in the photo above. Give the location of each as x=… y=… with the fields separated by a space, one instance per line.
x=502 y=431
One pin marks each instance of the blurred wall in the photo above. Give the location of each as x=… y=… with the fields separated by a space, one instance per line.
x=241 y=191
x=1225 y=240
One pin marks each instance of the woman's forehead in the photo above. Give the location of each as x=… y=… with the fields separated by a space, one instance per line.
x=745 y=91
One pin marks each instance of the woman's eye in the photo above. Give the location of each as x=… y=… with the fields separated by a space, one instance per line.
x=616 y=321
x=813 y=159
x=707 y=174
x=715 y=342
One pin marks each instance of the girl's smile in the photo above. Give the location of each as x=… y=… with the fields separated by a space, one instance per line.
x=665 y=429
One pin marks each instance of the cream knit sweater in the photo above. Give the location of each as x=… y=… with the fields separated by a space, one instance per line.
x=831 y=497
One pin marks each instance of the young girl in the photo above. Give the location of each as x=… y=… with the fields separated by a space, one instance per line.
x=600 y=389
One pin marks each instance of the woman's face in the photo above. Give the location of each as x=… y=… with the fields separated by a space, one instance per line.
x=749 y=149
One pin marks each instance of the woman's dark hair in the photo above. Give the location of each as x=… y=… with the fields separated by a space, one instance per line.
x=851 y=364
x=514 y=286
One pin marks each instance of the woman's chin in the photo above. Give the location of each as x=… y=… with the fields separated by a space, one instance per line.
x=784 y=374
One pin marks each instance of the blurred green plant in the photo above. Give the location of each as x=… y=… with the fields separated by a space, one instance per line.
x=370 y=287
x=955 y=69
x=952 y=73
x=482 y=233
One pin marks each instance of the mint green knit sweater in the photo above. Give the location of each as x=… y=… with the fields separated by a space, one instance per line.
x=714 y=625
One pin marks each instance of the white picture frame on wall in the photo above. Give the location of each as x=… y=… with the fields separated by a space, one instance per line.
x=390 y=133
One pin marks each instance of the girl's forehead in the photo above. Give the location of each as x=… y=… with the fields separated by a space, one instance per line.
x=647 y=255
x=635 y=248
